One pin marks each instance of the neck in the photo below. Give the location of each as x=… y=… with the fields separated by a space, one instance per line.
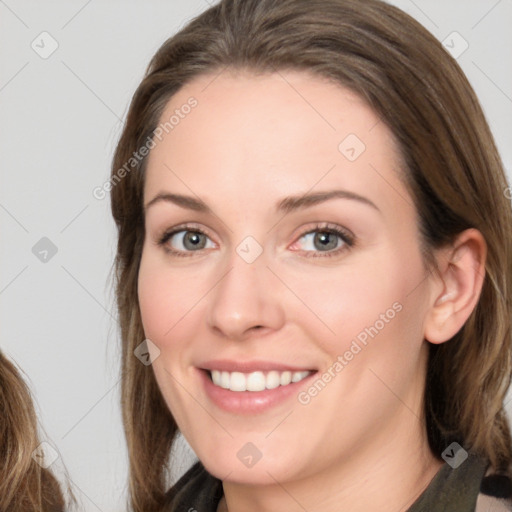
x=387 y=475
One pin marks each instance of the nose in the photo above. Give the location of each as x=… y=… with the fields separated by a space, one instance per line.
x=245 y=300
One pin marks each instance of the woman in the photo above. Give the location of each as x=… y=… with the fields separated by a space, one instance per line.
x=313 y=267
x=26 y=484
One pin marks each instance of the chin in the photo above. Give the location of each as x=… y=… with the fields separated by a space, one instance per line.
x=228 y=467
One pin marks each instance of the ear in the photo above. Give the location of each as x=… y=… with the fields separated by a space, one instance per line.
x=455 y=290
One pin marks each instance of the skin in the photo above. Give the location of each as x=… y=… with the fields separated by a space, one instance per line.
x=359 y=444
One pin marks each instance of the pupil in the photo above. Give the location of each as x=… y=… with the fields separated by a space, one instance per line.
x=323 y=238
x=192 y=240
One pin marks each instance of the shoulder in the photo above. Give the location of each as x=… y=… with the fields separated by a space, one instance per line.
x=495 y=492
x=197 y=490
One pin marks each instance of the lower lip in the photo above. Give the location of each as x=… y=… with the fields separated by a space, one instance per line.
x=249 y=402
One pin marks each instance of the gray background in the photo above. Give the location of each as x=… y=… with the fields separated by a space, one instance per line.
x=60 y=119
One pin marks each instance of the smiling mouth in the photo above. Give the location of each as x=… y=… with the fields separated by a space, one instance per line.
x=256 y=381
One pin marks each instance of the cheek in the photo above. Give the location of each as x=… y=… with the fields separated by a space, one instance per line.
x=154 y=304
x=342 y=302
x=376 y=298
x=161 y=299
x=169 y=299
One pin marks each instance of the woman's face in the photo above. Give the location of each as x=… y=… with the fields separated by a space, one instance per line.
x=295 y=257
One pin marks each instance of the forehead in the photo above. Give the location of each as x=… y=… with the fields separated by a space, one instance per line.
x=287 y=130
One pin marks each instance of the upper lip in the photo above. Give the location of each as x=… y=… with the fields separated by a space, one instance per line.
x=227 y=365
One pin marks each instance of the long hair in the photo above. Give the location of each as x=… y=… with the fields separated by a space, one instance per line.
x=451 y=168
x=24 y=484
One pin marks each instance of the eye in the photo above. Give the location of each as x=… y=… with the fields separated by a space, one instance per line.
x=183 y=240
x=328 y=239
x=323 y=240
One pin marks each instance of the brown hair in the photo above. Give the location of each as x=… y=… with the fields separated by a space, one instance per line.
x=24 y=484
x=451 y=168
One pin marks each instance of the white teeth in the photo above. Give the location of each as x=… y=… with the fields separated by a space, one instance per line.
x=237 y=382
x=224 y=380
x=286 y=378
x=296 y=376
x=273 y=380
x=255 y=381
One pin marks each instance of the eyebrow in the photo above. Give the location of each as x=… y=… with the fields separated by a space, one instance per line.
x=285 y=205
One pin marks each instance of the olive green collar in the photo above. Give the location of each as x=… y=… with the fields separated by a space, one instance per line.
x=453 y=489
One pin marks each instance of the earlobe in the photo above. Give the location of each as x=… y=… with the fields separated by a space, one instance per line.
x=457 y=287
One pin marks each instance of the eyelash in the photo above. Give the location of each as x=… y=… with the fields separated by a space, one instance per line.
x=347 y=238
